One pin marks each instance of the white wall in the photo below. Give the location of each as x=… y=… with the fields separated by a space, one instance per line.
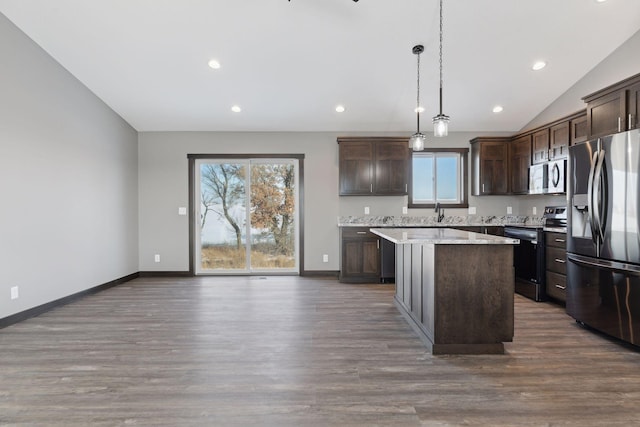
x=624 y=62
x=164 y=187
x=68 y=181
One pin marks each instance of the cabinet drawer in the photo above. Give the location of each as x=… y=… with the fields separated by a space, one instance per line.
x=556 y=260
x=358 y=232
x=556 y=240
x=556 y=286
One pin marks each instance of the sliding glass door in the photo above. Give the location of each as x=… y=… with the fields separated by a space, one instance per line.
x=246 y=216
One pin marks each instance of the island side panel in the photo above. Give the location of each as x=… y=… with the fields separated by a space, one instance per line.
x=428 y=286
x=475 y=292
x=416 y=281
x=399 y=272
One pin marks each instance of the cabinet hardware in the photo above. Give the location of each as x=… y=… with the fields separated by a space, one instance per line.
x=560 y=240
x=483 y=188
x=378 y=243
x=406 y=188
x=560 y=260
x=361 y=232
x=630 y=126
x=371 y=188
x=561 y=287
x=619 y=124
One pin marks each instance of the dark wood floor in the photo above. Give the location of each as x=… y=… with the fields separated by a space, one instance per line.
x=288 y=351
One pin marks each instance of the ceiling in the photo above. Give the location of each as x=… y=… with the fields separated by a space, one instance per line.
x=288 y=64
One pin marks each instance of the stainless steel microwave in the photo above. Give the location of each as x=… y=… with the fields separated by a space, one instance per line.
x=538 y=178
x=557 y=176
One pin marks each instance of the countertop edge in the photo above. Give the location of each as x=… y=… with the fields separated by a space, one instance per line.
x=484 y=239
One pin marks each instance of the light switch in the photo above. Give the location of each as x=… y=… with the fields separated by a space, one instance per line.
x=405 y=210
x=535 y=210
x=509 y=210
x=472 y=210
x=366 y=210
x=182 y=210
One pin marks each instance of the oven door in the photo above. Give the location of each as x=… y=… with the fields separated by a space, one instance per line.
x=528 y=262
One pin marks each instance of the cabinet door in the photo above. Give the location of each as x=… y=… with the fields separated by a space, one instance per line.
x=540 y=146
x=494 y=168
x=559 y=141
x=605 y=115
x=633 y=107
x=356 y=164
x=579 y=130
x=360 y=261
x=391 y=168
x=520 y=160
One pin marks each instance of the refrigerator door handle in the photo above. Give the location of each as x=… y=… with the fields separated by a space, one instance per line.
x=599 y=195
x=617 y=267
x=590 y=205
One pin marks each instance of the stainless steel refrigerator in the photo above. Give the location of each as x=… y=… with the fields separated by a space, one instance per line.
x=603 y=240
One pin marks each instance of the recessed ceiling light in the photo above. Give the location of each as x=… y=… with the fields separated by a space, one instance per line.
x=539 y=65
x=497 y=109
x=600 y=1
x=340 y=109
x=214 y=64
x=236 y=109
x=418 y=110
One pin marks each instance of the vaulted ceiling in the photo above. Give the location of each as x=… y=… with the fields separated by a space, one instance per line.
x=288 y=64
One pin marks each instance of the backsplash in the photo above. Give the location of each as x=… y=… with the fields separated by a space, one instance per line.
x=413 y=221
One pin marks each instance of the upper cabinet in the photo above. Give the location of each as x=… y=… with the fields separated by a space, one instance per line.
x=373 y=166
x=579 y=129
x=520 y=160
x=614 y=108
x=490 y=165
x=559 y=140
x=541 y=146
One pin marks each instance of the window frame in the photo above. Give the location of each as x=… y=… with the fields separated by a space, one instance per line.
x=463 y=172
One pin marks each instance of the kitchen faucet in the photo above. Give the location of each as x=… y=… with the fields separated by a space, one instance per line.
x=440 y=212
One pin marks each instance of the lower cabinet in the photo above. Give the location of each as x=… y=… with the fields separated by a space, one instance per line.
x=556 y=262
x=360 y=255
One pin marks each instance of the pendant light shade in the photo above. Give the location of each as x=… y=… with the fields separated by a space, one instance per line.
x=441 y=121
x=417 y=140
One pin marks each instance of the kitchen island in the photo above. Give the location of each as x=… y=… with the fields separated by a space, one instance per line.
x=455 y=287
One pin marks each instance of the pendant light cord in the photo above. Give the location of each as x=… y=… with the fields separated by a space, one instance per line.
x=440 y=57
x=418 y=97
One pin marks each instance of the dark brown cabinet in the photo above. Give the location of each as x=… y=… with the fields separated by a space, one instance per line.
x=633 y=106
x=556 y=262
x=520 y=160
x=360 y=255
x=559 y=141
x=540 y=151
x=373 y=166
x=614 y=108
x=579 y=129
x=490 y=165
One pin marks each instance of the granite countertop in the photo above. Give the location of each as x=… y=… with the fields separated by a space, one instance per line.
x=441 y=236
x=449 y=221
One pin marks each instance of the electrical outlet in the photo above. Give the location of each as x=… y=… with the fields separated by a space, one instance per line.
x=472 y=210
x=325 y=258
x=509 y=210
x=182 y=210
x=405 y=210
x=14 y=292
x=535 y=210
x=366 y=210
x=156 y=257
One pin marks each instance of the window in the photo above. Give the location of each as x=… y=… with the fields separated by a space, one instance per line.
x=439 y=175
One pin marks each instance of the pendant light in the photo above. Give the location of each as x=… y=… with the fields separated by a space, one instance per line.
x=441 y=121
x=416 y=142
